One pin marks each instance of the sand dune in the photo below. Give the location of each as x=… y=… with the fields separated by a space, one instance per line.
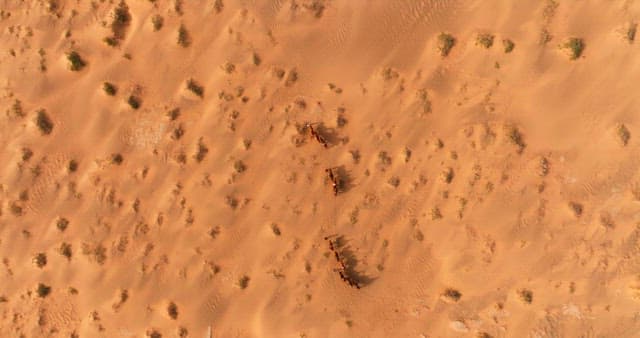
x=319 y=168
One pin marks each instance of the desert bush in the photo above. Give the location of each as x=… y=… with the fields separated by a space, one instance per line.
x=623 y=134
x=575 y=46
x=157 y=21
x=44 y=123
x=172 y=310
x=62 y=224
x=485 y=40
x=452 y=294
x=184 y=39
x=526 y=295
x=508 y=45
x=43 y=290
x=65 y=250
x=202 y=151
x=195 y=88
x=40 y=260
x=109 y=88
x=631 y=32
x=445 y=43
x=243 y=282
x=134 y=102
x=76 y=63
x=117 y=158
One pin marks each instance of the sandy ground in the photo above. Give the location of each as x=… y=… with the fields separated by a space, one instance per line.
x=485 y=193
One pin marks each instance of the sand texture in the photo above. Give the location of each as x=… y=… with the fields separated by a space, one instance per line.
x=319 y=168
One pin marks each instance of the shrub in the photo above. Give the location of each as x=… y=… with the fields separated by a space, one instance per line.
x=65 y=250
x=202 y=151
x=157 y=21
x=239 y=166
x=62 y=224
x=526 y=296
x=43 y=290
x=623 y=134
x=172 y=310
x=243 y=282
x=195 y=88
x=445 y=43
x=73 y=166
x=133 y=101
x=44 y=123
x=40 y=260
x=110 y=41
x=117 y=158
x=575 y=46
x=515 y=136
x=184 y=39
x=76 y=63
x=109 y=88
x=631 y=32
x=452 y=294
x=485 y=40
x=508 y=45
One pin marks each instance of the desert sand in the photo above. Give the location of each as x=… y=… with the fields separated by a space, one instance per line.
x=319 y=168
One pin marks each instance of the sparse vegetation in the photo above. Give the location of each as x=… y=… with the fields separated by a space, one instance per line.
x=508 y=45
x=109 y=88
x=65 y=250
x=292 y=77
x=526 y=296
x=26 y=154
x=545 y=36
x=184 y=39
x=452 y=294
x=485 y=40
x=448 y=175
x=76 y=63
x=117 y=158
x=515 y=136
x=435 y=213
x=195 y=88
x=631 y=32
x=218 y=6
x=243 y=282
x=72 y=166
x=275 y=229
x=623 y=134
x=40 y=260
x=134 y=102
x=239 y=166
x=575 y=46
x=16 y=109
x=577 y=208
x=174 y=114
x=44 y=123
x=445 y=43
x=202 y=151
x=157 y=21
x=172 y=310
x=43 y=290
x=256 y=59
x=62 y=224
x=119 y=24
